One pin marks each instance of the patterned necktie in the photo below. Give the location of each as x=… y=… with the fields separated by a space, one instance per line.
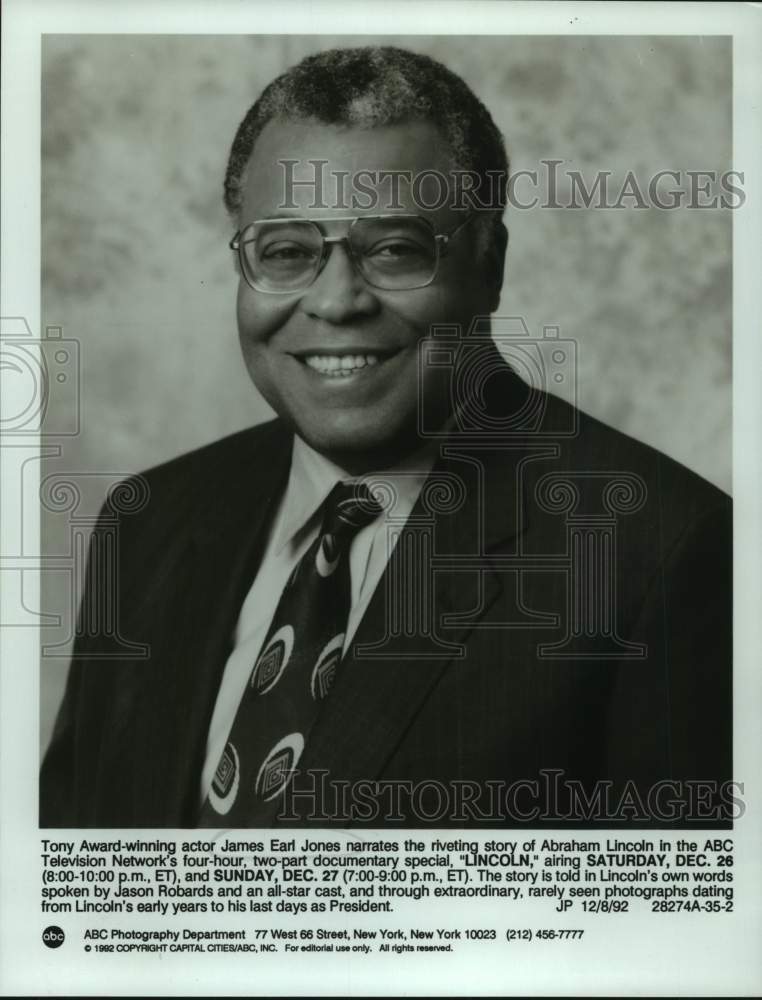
x=293 y=673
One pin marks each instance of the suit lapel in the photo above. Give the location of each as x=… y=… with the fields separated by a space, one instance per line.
x=218 y=564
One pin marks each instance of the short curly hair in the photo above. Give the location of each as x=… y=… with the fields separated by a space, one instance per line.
x=374 y=86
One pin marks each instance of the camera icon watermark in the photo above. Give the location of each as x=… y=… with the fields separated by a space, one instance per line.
x=41 y=377
x=40 y=412
x=472 y=369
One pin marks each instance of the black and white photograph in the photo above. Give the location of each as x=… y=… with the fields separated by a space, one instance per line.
x=449 y=583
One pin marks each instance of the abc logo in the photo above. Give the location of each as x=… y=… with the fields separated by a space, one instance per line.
x=53 y=937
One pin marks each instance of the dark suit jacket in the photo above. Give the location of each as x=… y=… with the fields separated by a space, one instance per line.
x=529 y=672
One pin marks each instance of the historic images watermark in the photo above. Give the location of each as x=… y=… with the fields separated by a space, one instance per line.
x=550 y=797
x=549 y=186
x=41 y=413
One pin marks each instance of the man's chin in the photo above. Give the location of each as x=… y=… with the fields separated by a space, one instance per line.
x=359 y=452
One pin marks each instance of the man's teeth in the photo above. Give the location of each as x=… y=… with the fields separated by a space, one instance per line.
x=340 y=364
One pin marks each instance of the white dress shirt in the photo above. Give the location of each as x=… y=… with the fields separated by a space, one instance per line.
x=294 y=528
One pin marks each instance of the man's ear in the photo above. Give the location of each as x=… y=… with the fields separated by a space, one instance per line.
x=496 y=264
x=235 y=222
x=236 y=262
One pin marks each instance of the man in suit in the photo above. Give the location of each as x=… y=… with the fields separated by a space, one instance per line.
x=534 y=625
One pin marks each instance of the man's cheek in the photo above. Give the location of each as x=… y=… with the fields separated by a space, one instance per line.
x=259 y=316
x=455 y=303
x=253 y=327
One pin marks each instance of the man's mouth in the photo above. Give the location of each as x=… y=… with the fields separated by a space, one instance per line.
x=343 y=365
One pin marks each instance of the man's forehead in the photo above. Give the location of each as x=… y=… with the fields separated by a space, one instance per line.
x=418 y=143
x=291 y=157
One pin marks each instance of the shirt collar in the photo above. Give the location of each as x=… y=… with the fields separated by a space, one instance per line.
x=313 y=476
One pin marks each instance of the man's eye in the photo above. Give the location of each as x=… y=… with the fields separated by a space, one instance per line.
x=394 y=249
x=287 y=251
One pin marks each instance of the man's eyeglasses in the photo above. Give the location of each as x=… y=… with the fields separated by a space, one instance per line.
x=391 y=252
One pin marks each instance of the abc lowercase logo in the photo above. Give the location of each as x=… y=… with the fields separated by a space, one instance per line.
x=53 y=936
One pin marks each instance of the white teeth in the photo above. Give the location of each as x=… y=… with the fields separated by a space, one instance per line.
x=337 y=365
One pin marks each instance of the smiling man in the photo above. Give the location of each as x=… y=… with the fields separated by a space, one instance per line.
x=338 y=358
x=427 y=592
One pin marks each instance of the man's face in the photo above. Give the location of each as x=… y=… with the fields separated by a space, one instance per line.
x=367 y=418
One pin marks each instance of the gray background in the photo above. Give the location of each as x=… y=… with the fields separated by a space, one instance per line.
x=135 y=136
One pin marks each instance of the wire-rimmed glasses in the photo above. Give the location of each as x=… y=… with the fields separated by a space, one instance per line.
x=390 y=252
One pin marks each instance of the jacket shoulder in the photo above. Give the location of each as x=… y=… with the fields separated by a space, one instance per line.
x=216 y=457
x=177 y=490
x=596 y=445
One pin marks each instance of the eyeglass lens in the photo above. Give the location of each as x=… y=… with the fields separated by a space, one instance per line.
x=391 y=253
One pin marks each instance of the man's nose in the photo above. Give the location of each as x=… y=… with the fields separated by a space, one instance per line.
x=339 y=292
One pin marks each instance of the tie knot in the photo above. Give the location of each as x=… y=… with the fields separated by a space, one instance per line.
x=348 y=508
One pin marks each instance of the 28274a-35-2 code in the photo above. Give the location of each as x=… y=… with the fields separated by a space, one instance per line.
x=543 y=934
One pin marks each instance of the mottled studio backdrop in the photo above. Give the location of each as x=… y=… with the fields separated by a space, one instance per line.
x=136 y=268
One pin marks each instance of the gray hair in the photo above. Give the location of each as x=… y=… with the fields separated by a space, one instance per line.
x=370 y=87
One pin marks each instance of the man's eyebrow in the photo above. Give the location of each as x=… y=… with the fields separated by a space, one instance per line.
x=308 y=215
x=314 y=215
x=287 y=213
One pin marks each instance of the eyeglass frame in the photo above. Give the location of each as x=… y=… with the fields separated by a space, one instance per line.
x=441 y=242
